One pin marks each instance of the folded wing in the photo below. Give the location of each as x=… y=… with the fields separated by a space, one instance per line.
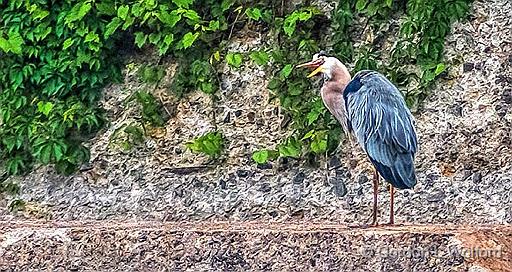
x=383 y=126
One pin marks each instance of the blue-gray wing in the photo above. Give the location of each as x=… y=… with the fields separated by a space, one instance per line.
x=383 y=126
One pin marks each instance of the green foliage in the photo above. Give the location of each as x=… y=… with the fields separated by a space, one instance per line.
x=260 y=57
x=423 y=29
x=234 y=59
x=299 y=33
x=253 y=13
x=17 y=205
x=290 y=22
x=56 y=56
x=53 y=67
x=291 y=147
x=264 y=155
x=199 y=75
x=151 y=74
x=425 y=21
x=127 y=137
x=151 y=108
x=211 y=144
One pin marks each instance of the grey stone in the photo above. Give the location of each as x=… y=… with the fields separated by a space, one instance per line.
x=299 y=178
x=477 y=177
x=243 y=173
x=339 y=188
x=437 y=196
x=468 y=66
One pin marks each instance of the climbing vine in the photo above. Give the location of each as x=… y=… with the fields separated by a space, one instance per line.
x=416 y=30
x=56 y=56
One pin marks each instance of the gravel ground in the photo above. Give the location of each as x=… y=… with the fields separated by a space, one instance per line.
x=464 y=164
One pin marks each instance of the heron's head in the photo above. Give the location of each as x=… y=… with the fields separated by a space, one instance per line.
x=329 y=67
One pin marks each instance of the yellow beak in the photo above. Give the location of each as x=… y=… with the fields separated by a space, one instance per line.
x=319 y=69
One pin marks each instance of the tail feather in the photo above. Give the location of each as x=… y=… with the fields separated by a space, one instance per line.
x=401 y=174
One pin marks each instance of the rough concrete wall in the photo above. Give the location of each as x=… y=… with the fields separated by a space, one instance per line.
x=464 y=164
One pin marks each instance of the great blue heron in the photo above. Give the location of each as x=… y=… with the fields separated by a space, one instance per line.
x=371 y=109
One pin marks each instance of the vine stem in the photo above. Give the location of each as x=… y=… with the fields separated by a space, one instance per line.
x=233 y=25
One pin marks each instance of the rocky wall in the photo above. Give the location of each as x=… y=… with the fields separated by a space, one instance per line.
x=464 y=164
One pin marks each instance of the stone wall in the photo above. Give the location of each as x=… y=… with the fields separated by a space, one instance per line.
x=464 y=164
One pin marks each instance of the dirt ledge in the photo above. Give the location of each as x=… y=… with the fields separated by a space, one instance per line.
x=252 y=246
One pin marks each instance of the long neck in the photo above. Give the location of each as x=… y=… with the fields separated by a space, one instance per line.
x=341 y=75
x=339 y=79
x=332 y=93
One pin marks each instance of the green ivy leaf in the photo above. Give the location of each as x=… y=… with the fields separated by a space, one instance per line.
x=260 y=57
x=140 y=39
x=46 y=153
x=304 y=15
x=312 y=117
x=226 y=4
x=309 y=134
x=84 y=9
x=170 y=19
x=260 y=156
x=188 y=39
x=154 y=38
x=211 y=144
x=4 y=45
x=57 y=151
x=183 y=3
x=67 y=43
x=91 y=36
x=128 y=22
x=234 y=59
x=253 y=13
x=319 y=142
x=289 y=25
x=122 y=12
x=441 y=67
x=192 y=15
x=372 y=9
x=290 y=148
x=12 y=44
x=168 y=39
x=286 y=71
x=45 y=107
x=112 y=27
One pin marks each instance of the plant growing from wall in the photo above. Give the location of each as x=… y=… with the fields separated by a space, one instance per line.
x=58 y=55
x=421 y=36
x=211 y=144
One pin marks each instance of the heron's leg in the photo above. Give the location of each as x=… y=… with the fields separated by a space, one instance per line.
x=391 y=207
x=375 y=192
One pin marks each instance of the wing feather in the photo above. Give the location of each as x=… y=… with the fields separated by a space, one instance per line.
x=383 y=126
